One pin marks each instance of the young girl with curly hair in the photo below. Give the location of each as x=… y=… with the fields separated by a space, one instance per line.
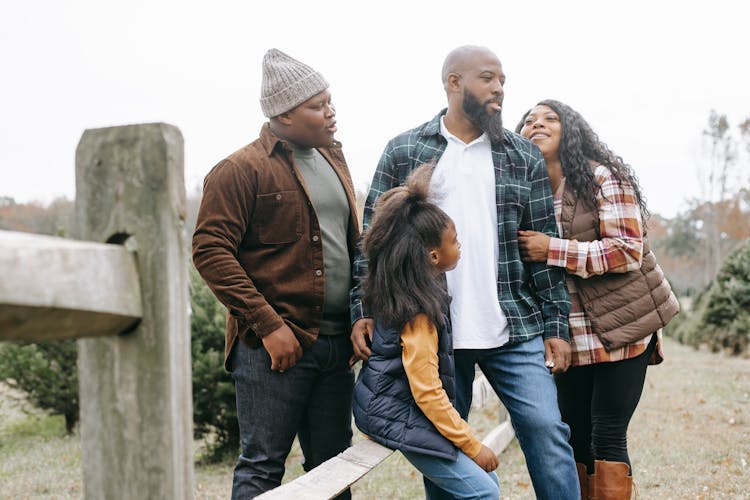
x=404 y=395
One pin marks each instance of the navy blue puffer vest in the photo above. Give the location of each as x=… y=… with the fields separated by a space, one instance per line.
x=384 y=408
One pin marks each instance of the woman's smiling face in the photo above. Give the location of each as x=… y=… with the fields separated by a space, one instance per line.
x=542 y=127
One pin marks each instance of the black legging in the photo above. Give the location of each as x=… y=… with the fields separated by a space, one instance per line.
x=597 y=402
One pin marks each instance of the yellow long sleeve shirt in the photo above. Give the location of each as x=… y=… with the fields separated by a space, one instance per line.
x=419 y=340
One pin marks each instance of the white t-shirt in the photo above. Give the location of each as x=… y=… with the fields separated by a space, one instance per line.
x=464 y=180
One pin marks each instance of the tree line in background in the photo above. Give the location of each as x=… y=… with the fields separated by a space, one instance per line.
x=692 y=245
x=704 y=250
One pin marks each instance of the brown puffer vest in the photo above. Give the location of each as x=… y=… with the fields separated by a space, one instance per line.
x=622 y=307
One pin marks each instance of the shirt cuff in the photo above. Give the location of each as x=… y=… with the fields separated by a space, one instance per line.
x=557 y=255
x=472 y=448
x=264 y=321
x=356 y=311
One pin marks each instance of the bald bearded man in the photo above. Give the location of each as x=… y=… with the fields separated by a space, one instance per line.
x=507 y=316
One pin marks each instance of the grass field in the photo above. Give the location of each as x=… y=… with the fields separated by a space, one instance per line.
x=689 y=439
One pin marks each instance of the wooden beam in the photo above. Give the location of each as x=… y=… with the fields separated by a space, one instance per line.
x=334 y=475
x=340 y=472
x=481 y=392
x=54 y=288
x=500 y=437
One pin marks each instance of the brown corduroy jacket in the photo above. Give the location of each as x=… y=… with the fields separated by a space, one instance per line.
x=257 y=240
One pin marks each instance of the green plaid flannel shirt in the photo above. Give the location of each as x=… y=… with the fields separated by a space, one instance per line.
x=532 y=296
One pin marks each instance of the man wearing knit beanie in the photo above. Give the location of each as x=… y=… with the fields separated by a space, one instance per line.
x=287 y=83
x=274 y=238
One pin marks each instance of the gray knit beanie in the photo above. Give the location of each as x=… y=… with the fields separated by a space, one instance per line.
x=287 y=83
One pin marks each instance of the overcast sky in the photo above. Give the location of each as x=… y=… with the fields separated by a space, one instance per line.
x=644 y=73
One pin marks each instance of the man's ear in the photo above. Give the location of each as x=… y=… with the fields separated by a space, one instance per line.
x=454 y=82
x=284 y=118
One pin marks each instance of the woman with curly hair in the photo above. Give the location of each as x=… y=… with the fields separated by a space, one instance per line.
x=620 y=298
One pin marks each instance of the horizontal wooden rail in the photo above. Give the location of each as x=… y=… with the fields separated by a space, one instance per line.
x=340 y=472
x=54 y=288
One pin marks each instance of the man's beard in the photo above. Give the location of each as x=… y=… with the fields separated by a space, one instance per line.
x=489 y=123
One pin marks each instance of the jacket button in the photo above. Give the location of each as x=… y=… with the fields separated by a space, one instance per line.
x=278 y=196
x=315 y=237
x=318 y=272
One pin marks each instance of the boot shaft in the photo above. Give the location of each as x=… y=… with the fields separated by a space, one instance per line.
x=583 y=480
x=611 y=481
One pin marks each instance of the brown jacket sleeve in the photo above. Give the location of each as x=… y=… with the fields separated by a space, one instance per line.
x=420 y=345
x=223 y=218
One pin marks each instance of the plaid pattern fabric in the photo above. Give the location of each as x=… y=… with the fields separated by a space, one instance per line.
x=532 y=295
x=618 y=250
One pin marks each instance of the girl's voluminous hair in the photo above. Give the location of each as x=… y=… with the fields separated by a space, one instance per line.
x=401 y=281
x=579 y=144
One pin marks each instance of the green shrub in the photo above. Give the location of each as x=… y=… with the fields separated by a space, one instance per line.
x=685 y=327
x=676 y=327
x=47 y=373
x=214 y=407
x=720 y=317
x=727 y=312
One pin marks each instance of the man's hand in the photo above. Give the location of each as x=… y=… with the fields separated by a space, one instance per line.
x=534 y=246
x=486 y=459
x=283 y=347
x=361 y=338
x=556 y=355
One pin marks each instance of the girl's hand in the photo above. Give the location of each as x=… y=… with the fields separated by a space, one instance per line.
x=534 y=246
x=486 y=459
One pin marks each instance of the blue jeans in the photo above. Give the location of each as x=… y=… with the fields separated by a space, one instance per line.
x=312 y=400
x=527 y=390
x=460 y=479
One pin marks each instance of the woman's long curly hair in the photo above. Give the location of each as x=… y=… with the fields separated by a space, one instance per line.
x=401 y=281
x=578 y=145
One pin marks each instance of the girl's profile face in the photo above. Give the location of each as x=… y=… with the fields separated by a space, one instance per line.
x=445 y=257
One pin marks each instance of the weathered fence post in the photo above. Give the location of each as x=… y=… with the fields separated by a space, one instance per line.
x=135 y=388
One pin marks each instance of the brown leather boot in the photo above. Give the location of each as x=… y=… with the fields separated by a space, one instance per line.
x=612 y=481
x=583 y=480
x=592 y=487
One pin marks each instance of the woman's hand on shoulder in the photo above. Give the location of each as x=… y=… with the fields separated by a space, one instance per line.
x=534 y=246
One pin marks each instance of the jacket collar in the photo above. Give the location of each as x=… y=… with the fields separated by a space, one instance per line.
x=432 y=127
x=268 y=139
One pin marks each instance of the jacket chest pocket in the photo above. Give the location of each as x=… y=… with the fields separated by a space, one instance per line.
x=278 y=217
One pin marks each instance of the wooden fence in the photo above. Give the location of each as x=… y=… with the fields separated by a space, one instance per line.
x=340 y=472
x=121 y=288
x=124 y=293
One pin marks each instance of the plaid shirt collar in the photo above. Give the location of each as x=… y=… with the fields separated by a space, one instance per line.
x=432 y=127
